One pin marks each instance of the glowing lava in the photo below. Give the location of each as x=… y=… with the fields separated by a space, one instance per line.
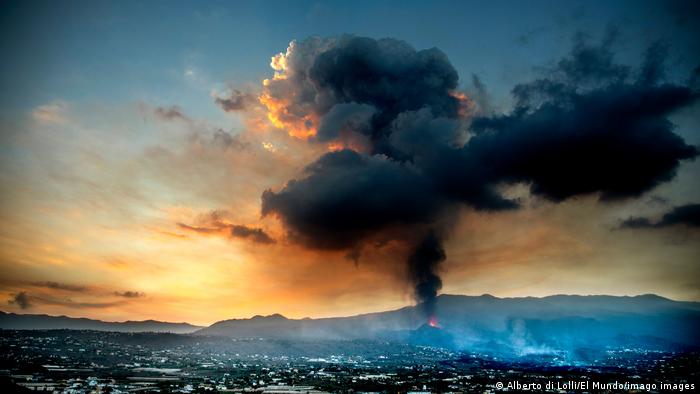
x=433 y=322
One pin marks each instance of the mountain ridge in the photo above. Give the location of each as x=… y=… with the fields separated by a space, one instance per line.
x=464 y=316
x=16 y=321
x=483 y=296
x=517 y=324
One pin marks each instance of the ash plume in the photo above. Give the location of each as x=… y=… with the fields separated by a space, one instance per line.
x=587 y=126
x=423 y=264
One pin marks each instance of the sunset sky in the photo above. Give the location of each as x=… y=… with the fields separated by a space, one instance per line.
x=137 y=140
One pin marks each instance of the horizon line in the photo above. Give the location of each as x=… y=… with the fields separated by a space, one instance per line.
x=348 y=316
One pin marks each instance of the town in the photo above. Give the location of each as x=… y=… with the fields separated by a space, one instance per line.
x=71 y=361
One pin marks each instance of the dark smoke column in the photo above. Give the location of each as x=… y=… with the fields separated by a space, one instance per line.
x=423 y=265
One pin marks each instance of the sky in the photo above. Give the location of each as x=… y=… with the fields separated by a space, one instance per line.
x=163 y=160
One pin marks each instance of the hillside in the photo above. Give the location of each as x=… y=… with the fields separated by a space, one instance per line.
x=13 y=321
x=521 y=325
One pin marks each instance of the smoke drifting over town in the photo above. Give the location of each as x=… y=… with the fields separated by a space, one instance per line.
x=407 y=146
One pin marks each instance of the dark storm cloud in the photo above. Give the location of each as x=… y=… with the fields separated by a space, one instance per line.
x=687 y=215
x=129 y=294
x=588 y=126
x=169 y=113
x=21 y=299
x=236 y=101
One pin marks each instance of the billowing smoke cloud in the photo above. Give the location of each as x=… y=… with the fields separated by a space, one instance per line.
x=588 y=126
x=355 y=81
x=347 y=196
x=687 y=215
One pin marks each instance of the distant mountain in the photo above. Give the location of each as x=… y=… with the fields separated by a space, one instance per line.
x=13 y=321
x=577 y=326
x=521 y=326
